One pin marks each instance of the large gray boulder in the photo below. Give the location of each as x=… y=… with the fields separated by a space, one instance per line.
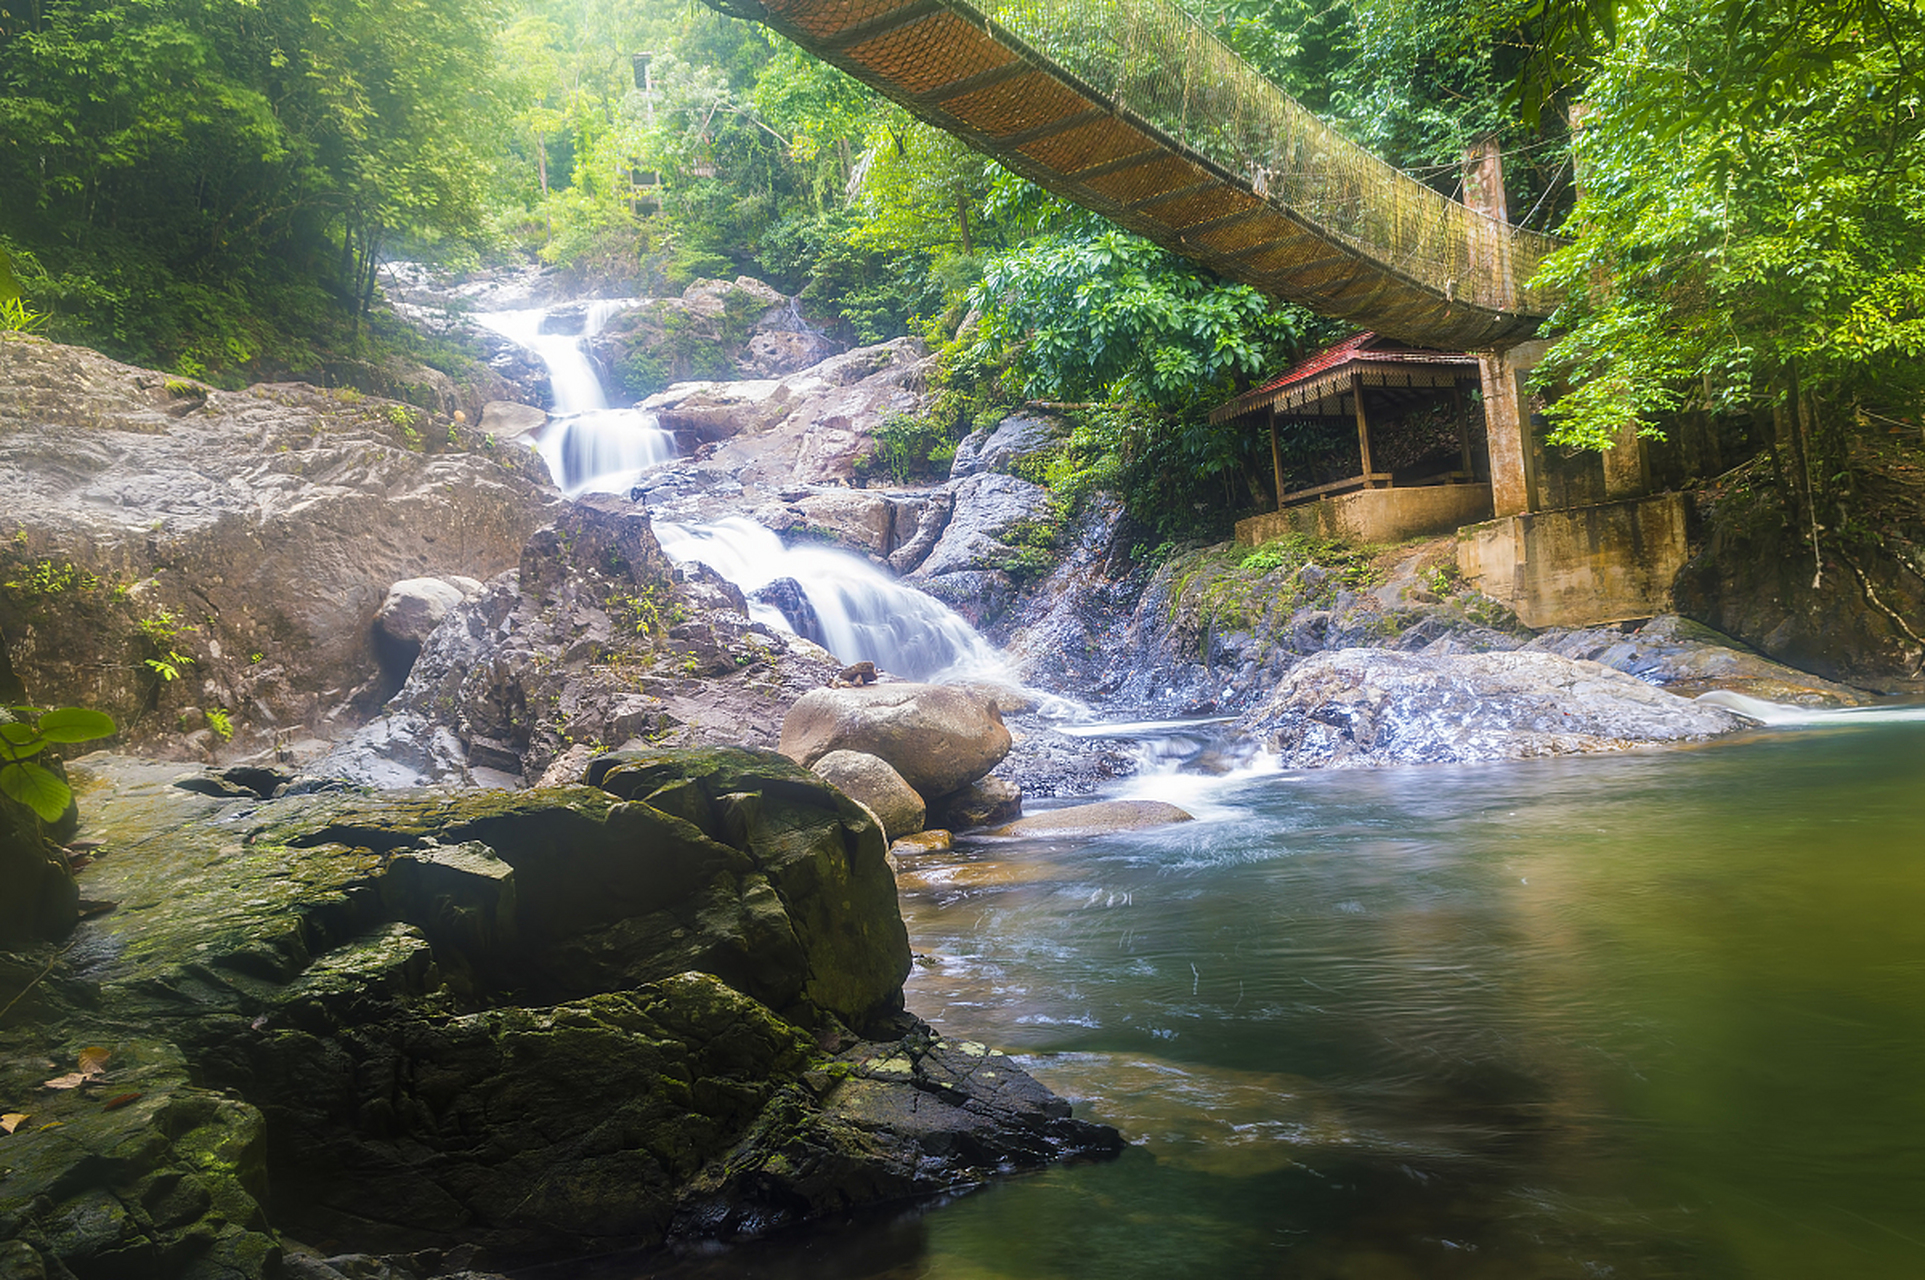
x=1364 y=707
x=938 y=737
x=415 y=607
x=870 y=782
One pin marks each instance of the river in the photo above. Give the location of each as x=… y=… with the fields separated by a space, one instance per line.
x=1655 y=1014
x=1659 y=1014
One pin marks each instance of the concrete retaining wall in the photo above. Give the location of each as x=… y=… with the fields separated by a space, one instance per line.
x=1579 y=567
x=1374 y=515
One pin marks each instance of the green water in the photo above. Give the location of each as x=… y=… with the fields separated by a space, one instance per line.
x=1646 y=1015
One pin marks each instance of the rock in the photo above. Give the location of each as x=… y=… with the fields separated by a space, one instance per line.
x=415 y=607
x=594 y=641
x=981 y=803
x=937 y=737
x=987 y=507
x=811 y=427
x=546 y=1022
x=1361 y=707
x=1689 y=659
x=857 y=674
x=935 y=840
x=134 y=1173
x=39 y=901
x=507 y=420
x=1010 y=441
x=1094 y=819
x=870 y=781
x=253 y=533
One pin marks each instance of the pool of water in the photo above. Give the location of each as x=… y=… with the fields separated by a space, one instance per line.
x=1657 y=1014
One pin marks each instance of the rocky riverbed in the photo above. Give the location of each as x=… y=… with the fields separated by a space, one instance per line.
x=475 y=917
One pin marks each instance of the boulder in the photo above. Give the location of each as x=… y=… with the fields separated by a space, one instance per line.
x=1010 y=441
x=934 y=840
x=980 y=804
x=1096 y=819
x=545 y=1022
x=870 y=781
x=1689 y=659
x=1365 y=707
x=507 y=420
x=415 y=607
x=939 y=738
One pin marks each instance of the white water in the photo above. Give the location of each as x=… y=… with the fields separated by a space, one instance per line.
x=866 y=615
x=588 y=446
x=1777 y=714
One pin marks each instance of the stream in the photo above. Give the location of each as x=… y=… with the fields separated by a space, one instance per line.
x=1654 y=1014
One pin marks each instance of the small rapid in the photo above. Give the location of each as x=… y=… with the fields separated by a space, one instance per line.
x=854 y=610
x=588 y=446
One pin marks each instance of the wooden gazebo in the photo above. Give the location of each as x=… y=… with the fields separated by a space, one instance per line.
x=1337 y=382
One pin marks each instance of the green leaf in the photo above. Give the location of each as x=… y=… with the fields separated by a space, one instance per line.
x=36 y=788
x=76 y=724
x=21 y=740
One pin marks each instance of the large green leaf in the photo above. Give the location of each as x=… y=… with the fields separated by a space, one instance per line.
x=21 y=740
x=76 y=724
x=36 y=788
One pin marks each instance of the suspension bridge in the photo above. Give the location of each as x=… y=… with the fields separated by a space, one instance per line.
x=1132 y=109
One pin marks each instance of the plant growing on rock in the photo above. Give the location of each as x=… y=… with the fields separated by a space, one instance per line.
x=26 y=733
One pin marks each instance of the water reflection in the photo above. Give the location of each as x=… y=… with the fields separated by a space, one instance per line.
x=1652 y=1015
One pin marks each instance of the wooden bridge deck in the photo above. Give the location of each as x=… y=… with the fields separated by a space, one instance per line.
x=1129 y=108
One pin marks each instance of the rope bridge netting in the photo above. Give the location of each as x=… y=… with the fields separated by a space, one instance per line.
x=1132 y=109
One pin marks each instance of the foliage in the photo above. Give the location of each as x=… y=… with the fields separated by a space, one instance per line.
x=194 y=184
x=1098 y=313
x=28 y=731
x=1753 y=228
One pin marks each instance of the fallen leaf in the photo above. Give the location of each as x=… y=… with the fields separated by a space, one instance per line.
x=93 y=1061
x=120 y=1100
x=12 y=1120
x=72 y=1080
x=91 y=907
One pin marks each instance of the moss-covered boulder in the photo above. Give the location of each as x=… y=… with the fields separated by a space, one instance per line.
x=537 y=1022
x=116 y=1166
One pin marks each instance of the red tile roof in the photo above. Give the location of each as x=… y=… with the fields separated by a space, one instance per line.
x=1327 y=373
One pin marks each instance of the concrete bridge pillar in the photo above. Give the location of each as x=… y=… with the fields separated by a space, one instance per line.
x=1507 y=424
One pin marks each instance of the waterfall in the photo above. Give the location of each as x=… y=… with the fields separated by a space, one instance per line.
x=861 y=613
x=588 y=446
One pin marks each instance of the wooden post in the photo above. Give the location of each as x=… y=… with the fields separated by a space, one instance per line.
x=1276 y=457
x=1463 y=429
x=1363 y=426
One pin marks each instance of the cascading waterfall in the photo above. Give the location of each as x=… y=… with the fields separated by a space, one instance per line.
x=588 y=446
x=863 y=613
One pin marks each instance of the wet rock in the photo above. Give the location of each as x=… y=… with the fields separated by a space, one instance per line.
x=1360 y=707
x=39 y=901
x=134 y=1172
x=981 y=803
x=870 y=782
x=787 y=597
x=555 y=1021
x=935 y=840
x=1094 y=819
x=939 y=738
